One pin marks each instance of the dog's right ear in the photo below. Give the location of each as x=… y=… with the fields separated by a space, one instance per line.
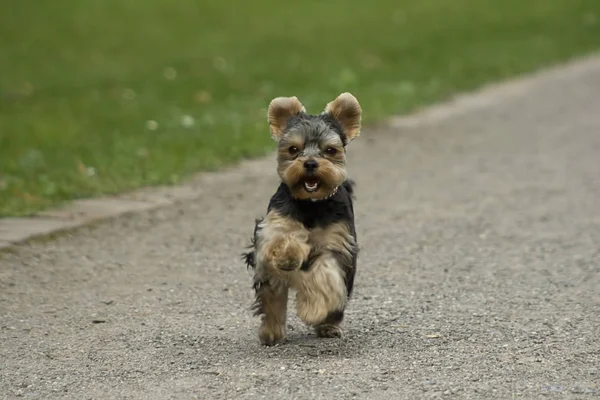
x=281 y=109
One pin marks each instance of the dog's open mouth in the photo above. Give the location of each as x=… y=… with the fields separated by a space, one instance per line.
x=311 y=184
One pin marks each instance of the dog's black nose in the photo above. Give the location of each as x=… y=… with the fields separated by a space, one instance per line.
x=310 y=165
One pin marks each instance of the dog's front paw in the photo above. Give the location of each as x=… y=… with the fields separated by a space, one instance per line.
x=271 y=334
x=287 y=253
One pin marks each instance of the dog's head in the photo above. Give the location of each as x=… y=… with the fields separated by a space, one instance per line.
x=312 y=148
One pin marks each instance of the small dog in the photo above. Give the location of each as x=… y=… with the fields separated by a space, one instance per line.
x=307 y=240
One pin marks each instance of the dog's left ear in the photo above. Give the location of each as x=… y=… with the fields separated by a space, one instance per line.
x=346 y=110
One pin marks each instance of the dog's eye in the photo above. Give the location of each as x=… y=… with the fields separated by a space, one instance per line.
x=293 y=150
x=331 y=151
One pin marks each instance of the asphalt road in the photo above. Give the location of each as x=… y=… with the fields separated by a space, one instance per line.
x=479 y=276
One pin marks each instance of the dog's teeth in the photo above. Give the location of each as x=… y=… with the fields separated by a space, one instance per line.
x=311 y=186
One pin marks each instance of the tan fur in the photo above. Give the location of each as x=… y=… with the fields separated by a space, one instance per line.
x=285 y=252
x=282 y=242
x=283 y=153
x=321 y=289
x=328 y=330
x=274 y=302
x=288 y=255
x=347 y=111
x=291 y=170
x=281 y=109
x=335 y=237
x=331 y=176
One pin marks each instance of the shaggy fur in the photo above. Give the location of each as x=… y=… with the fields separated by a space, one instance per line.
x=307 y=240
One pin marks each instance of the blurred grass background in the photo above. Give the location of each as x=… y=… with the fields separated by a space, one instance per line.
x=105 y=96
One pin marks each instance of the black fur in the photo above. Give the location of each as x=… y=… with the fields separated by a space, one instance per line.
x=248 y=257
x=257 y=306
x=313 y=214
x=316 y=214
x=311 y=122
x=334 y=317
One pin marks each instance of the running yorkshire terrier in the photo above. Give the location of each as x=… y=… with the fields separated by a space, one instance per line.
x=307 y=240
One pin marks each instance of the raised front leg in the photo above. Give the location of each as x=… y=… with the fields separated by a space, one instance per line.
x=281 y=244
x=285 y=252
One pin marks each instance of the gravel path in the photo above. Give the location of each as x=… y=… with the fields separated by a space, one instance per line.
x=479 y=276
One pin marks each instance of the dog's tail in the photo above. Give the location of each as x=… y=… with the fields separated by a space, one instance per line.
x=248 y=257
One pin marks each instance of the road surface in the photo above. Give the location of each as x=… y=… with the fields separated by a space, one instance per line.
x=479 y=275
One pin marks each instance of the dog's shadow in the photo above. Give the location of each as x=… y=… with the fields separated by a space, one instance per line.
x=302 y=342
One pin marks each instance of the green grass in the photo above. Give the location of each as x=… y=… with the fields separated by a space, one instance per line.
x=80 y=79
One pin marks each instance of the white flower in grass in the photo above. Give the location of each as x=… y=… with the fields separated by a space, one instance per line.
x=187 y=121
x=151 y=125
x=170 y=73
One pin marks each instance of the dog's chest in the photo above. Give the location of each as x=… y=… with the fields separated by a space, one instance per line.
x=335 y=237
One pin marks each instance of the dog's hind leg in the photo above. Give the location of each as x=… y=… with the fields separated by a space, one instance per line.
x=330 y=328
x=322 y=292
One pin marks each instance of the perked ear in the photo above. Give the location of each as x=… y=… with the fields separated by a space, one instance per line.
x=346 y=110
x=281 y=109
